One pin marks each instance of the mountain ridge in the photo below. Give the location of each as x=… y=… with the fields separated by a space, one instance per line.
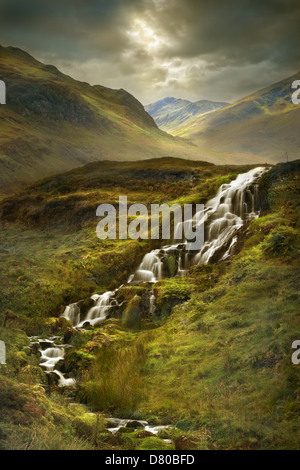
x=171 y=113
x=53 y=123
x=263 y=123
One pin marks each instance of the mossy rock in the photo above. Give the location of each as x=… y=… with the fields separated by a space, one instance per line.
x=76 y=360
x=170 y=265
x=69 y=334
x=58 y=325
x=143 y=434
x=85 y=305
x=124 y=430
x=154 y=443
x=27 y=350
x=126 y=293
x=22 y=358
x=132 y=315
x=169 y=293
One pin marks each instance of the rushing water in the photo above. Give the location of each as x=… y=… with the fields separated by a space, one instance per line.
x=223 y=216
x=235 y=204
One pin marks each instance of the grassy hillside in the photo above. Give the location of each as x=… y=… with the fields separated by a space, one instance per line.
x=264 y=124
x=171 y=114
x=214 y=360
x=48 y=239
x=52 y=123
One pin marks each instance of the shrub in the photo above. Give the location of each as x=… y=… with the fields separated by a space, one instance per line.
x=282 y=241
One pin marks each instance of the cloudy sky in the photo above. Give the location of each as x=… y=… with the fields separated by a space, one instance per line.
x=193 y=49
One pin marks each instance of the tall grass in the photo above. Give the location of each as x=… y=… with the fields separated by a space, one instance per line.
x=115 y=379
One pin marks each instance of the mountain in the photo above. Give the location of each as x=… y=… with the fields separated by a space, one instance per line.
x=53 y=123
x=264 y=124
x=170 y=114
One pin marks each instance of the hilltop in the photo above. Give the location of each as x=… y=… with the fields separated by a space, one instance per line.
x=52 y=123
x=170 y=114
x=264 y=124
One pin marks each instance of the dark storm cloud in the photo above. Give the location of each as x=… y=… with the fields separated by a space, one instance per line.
x=192 y=48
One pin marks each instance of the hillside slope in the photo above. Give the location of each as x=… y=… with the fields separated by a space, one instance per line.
x=170 y=114
x=52 y=123
x=264 y=124
x=214 y=360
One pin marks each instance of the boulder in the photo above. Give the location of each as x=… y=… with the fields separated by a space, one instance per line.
x=134 y=424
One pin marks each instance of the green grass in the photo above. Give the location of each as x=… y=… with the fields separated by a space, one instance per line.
x=215 y=360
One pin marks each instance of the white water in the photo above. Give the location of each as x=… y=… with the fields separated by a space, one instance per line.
x=63 y=382
x=116 y=424
x=51 y=356
x=72 y=313
x=234 y=204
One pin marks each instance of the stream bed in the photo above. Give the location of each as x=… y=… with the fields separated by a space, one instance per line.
x=234 y=205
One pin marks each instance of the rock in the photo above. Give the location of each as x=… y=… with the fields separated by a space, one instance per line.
x=170 y=265
x=85 y=305
x=60 y=324
x=45 y=344
x=123 y=430
x=35 y=347
x=53 y=378
x=142 y=434
x=133 y=313
x=69 y=333
x=134 y=424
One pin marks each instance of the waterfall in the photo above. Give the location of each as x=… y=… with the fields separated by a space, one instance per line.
x=150 y=269
x=51 y=356
x=72 y=313
x=235 y=204
x=222 y=217
x=99 y=312
x=152 y=306
x=63 y=382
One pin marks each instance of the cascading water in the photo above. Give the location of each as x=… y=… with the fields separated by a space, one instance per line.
x=51 y=354
x=234 y=204
x=150 y=268
x=72 y=313
x=223 y=216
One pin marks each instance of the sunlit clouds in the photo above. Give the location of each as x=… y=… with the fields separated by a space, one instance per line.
x=190 y=49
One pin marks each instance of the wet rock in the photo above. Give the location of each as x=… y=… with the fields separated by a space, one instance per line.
x=45 y=344
x=60 y=324
x=35 y=348
x=69 y=334
x=85 y=305
x=134 y=424
x=133 y=312
x=53 y=378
